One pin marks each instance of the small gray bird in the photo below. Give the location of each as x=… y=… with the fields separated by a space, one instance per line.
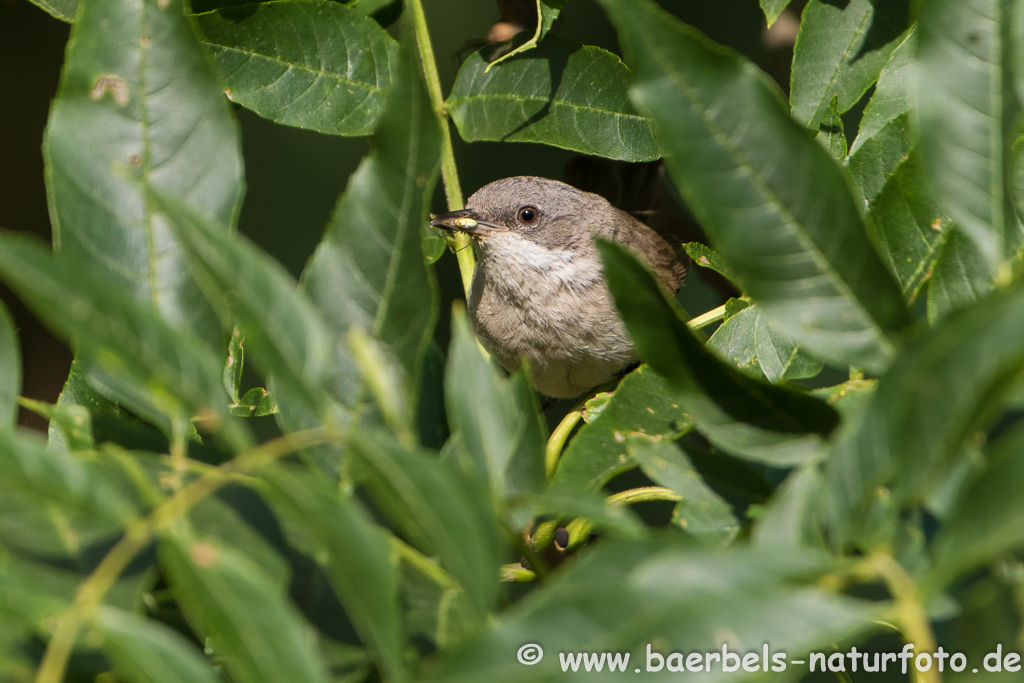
x=539 y=291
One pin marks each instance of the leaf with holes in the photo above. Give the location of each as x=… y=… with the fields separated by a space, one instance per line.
x=139 y=108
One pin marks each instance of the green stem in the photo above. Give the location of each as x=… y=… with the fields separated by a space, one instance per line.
x=553 y=450
x=460 y=242
x=910 y=612
x=706 y=319
x=579 y=529
x=140 y=533
x=515 y=573
x=424 y=565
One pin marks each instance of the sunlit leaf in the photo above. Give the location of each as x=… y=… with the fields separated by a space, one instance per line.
x=139 y=109
x=753 y=419
x=967 y=114
x=840 y=51
x=774 y=203
x=316 y=65
x=369 y=270
x=560 y=93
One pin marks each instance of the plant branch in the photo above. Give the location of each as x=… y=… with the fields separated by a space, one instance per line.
x=910 y=613
x=705 y=319
x=141 y=532
x=449 y=172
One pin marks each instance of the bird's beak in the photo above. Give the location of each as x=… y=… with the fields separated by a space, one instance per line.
x=466 y=220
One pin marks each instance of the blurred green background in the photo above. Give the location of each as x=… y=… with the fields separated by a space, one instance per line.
x=295 y=176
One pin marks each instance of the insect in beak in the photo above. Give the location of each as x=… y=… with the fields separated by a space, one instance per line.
x=465 y=220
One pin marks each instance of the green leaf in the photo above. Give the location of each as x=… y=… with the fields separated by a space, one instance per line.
x=145 y=651
x=642 y=403
x=892 y=94
x=315 y=65
x=561 y=93
x=772 y=9
x=30 y=469
x=622 y=596
x=750 y=341
x=967 y=110
x=707 y=257
x=501 y=434
x=174 y=371
x=139 y=109
x=369 y=270
x=874 y=162
x=701 y=513
x=909 y=227
x=753 y=419
x=775 y=204
x=73 y=423
x=987 y=520
x=831 y=133
x=925 y=407
x=10 y=370
x=547 y=12
x=787 y=521
x=233 y=365
x=438 y=506
x=839 y=52
x=613 y=520
x=961 y=277
x=64 y=10
x=284 y=333
x=247 y=618
x=257 y=402
x=356 y=557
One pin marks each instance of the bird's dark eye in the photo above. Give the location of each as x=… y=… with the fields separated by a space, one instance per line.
x=528 y=215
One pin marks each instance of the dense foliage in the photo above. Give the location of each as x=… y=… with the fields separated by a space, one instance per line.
x=830 y=459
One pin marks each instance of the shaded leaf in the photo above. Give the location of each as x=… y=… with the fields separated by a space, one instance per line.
x=987 y=519
x=64 y=10
x=622 y=596
x=961 y=277
x=145 y=651
x=707 y=257
x=774 y=202
x=547 y=12
x=967 y=111
x=830 y=133
x=173 y=370
x=746 y=417
x=139 y=108
x=439 y=507
x=369 y=270
x=840 y=51
x=500 y=430
x=892 y=94
x=560 y=93
x=924 y=408
x=701 y=513
x=10 y=370
x=357 y=560
x=788 y=519
x=316 y=65
x=642 y=403
x=750 y=341
x=249 y=621
x=285 y=335
x=909 y=227
x=772 y=9
x=878 y=158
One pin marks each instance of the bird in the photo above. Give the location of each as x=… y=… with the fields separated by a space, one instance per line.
x=538 y=290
